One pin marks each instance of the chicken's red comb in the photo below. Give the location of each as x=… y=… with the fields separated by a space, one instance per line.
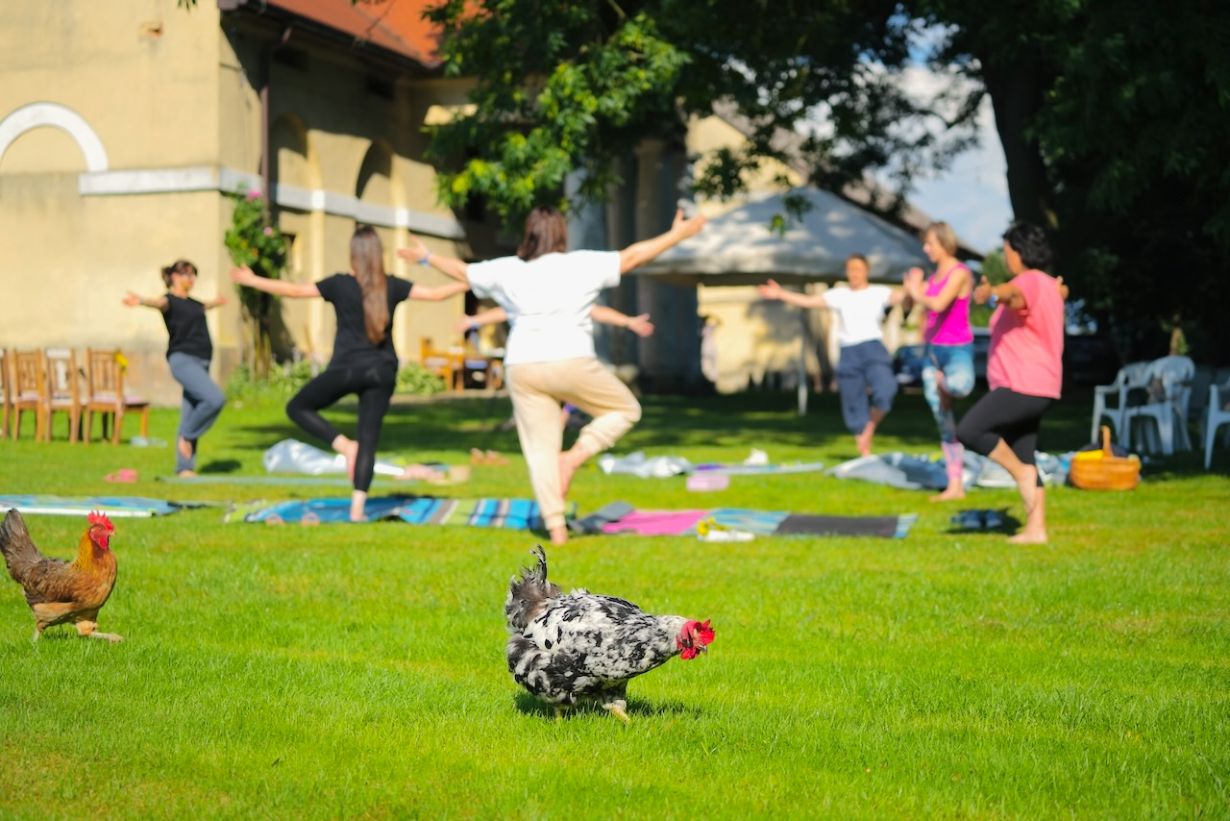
x=97 y=517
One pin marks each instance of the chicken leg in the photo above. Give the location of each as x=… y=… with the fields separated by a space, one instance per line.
x=619 y=709
x=87 y=629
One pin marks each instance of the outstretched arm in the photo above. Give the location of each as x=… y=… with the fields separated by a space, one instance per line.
x=449 y=266
x=491 y=316
x=216 y=302
x=132 y=300
x=772 y=290
x=436 y=293
x=639 y=253
x=639 y=325
x=935 y=303
x=1005 y=292
x=243 y=275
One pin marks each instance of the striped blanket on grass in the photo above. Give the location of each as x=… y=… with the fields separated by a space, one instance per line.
x=510 y=514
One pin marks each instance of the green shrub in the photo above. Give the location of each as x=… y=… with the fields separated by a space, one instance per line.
x=416 y=380
x=284 y=381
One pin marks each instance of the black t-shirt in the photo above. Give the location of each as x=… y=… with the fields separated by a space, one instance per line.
x=185 y=319
x=351 y=344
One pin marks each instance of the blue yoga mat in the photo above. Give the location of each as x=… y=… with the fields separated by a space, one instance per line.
x=117 y=507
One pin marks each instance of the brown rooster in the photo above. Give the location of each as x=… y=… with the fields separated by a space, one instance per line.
x=57 y=591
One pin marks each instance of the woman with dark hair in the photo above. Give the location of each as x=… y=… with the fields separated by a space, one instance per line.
x=864 y=371
x=949 y=342
x=1024 y=369
x=364 y=362
x=549 y=293
x=189 y=351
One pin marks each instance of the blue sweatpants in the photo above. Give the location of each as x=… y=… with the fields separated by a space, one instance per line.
x=865 y=379
x=203 y=401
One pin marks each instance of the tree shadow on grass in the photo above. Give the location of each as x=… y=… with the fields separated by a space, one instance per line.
x=534 y=706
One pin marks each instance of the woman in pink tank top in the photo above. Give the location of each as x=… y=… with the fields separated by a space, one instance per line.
x=949 y=356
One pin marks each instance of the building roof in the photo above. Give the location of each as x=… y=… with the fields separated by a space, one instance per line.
x=396 y=26
x=865 y=194
x=740 y=248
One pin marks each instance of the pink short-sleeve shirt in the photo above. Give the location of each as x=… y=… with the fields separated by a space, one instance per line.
x=1026 y=354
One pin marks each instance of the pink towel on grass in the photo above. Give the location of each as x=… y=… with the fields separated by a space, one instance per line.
x=657 y=522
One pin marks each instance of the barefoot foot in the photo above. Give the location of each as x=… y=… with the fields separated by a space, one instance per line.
x=950 y=494
x=559 y=535
x=1029 y=537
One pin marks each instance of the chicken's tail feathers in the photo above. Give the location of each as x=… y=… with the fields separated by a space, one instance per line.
x=528 y=594
x=19 y=551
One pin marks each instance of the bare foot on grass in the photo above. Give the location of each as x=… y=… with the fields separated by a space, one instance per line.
x=1028 y=537
x=950 y=494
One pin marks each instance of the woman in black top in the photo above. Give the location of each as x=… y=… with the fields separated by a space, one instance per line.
x=188 y=353
x=364 y=361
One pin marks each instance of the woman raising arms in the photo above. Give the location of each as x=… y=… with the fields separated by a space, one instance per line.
x=549 y=294
x=364 y=362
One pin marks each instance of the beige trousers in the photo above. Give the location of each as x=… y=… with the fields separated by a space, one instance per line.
x=537 y=389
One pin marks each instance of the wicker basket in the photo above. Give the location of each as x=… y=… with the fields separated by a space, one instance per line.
x=1108 y=473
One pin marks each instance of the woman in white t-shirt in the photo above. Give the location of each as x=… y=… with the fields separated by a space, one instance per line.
x=864 y=366
x=549 y=358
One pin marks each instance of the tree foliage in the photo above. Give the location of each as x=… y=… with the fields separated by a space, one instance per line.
x=1112 y=114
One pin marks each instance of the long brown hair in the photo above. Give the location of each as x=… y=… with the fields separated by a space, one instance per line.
x=546 y=232
x=367 y=263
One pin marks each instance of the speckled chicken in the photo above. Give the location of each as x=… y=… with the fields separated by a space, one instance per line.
x=585 y=647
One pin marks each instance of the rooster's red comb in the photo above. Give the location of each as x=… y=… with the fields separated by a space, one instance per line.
x=97 y=517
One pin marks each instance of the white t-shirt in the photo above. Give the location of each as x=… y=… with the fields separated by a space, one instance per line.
x=548 y=301
x=860 y=313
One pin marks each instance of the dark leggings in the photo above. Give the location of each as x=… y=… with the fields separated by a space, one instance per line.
x=373 y=384
x=1007 y=415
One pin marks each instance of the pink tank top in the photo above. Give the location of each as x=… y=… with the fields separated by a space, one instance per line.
x=951 y=325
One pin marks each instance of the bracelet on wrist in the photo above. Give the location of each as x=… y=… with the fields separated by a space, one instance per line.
x=423 y=260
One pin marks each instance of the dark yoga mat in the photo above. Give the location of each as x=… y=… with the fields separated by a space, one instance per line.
x=887 y=527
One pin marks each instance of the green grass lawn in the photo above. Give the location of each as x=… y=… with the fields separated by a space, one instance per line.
x=359 y=671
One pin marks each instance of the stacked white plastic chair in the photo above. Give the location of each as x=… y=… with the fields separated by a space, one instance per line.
x=1169 y=382
x=1217 y=416
x=1129 y=377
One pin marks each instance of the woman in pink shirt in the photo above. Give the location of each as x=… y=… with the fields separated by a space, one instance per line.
x=1024 y=369
x=949 y=355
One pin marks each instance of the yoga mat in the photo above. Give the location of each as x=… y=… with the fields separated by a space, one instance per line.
x=510 y=514
x=117 y=507
x=760 y=522
x=759 y=470
x=222 y=479
x=657 y=522
x=889 y=527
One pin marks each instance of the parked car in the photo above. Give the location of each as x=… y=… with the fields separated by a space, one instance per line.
x=908 y=361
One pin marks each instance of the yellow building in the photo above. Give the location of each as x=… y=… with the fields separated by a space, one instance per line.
x=124 y=128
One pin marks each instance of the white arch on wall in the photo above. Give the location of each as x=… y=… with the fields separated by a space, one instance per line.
x=35 y=115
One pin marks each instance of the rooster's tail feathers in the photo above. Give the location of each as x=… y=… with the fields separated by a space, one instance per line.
x=19 y=552
x=527 y=594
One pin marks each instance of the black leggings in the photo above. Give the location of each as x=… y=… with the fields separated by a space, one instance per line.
x=1007 y=415
x=373 y=384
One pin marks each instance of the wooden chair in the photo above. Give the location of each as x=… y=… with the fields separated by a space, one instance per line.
x=6 y=394
x=63 y=390
x=105 y=378
x=29 y=390
x=447 y=363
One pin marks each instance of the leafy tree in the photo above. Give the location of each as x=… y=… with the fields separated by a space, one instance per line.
x=1112 y=120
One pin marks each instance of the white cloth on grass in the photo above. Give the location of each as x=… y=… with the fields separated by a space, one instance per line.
x=293 y=456
x=548 y=301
